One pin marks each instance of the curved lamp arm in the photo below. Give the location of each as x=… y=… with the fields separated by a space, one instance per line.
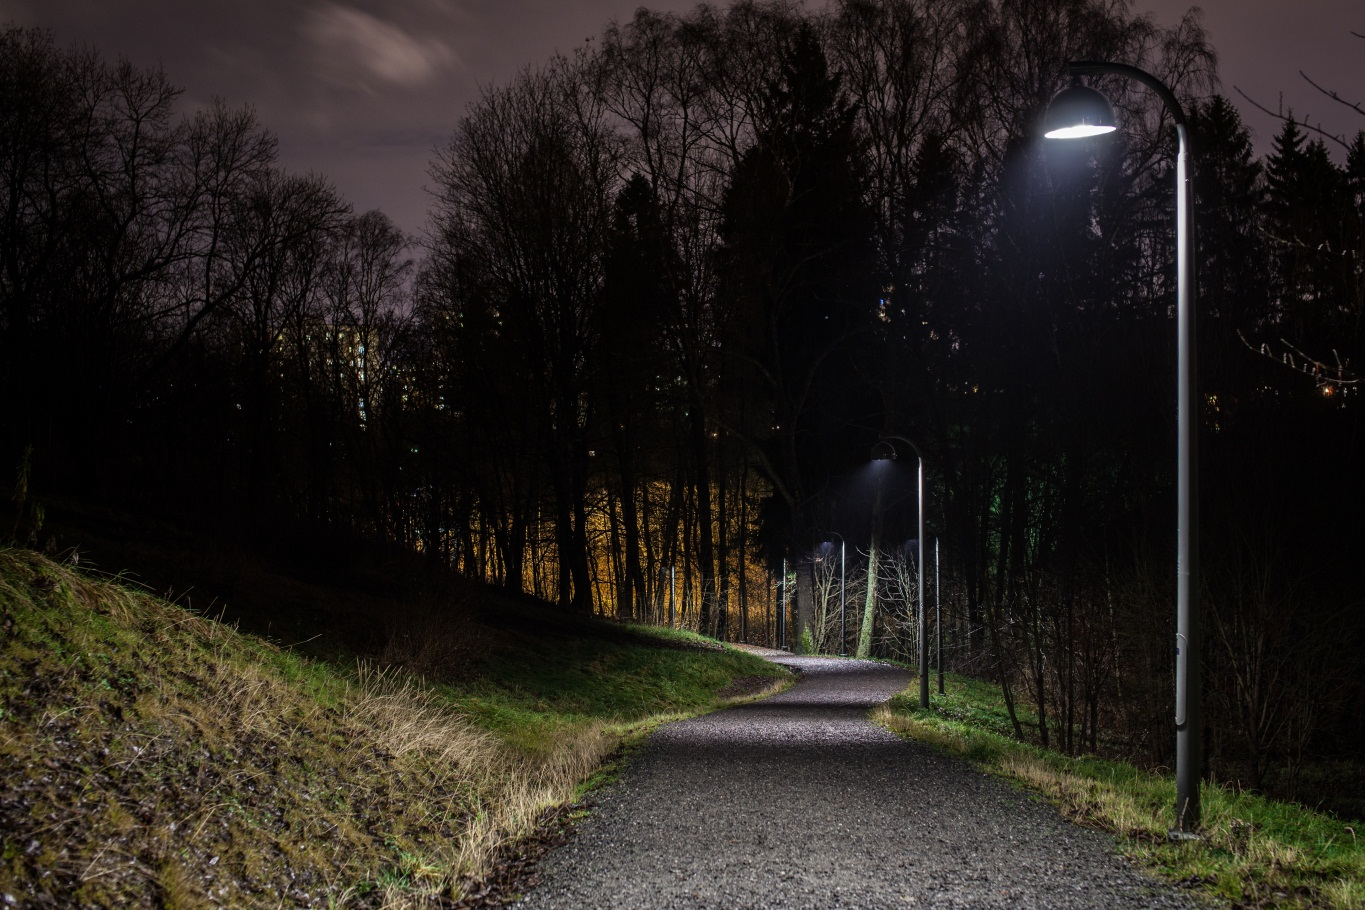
x=1097 y=68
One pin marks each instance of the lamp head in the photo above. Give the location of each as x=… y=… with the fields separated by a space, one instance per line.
x=883 y=451
x=1078 y=112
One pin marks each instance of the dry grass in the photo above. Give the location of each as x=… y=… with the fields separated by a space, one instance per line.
x=1348 y=893
x=408 y=718
x=513 y=788
x=151 y=757
x=523 y=791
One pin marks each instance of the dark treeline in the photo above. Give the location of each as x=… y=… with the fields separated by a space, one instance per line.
x=674 y=290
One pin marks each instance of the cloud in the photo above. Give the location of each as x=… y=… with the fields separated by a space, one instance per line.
x=357 y=48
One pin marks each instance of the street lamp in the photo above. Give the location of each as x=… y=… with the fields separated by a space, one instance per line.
x=1078 y=112
x=923 y=630
x=826 y=549
x=843 y=612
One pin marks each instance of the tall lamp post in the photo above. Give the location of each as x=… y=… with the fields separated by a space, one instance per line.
x=923 y=625
x=1079 y=112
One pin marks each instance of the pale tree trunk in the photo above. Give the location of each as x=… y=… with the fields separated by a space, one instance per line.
x=870 y=606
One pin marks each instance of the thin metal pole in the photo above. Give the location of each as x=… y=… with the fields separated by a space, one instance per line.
x=769 y=620
x=923 y=630
x=938 y=619
x=843 y=611
x=782 y=612
x=1188 y=715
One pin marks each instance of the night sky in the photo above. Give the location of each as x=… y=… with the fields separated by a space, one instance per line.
x=363 y=90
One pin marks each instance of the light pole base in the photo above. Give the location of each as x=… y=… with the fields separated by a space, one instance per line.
x=1184 y=837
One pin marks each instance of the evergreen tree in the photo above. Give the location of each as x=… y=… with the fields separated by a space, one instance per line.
x=798 y=274
x=1314 y=281
x=797 y=269
x=1284 y=165
x=1233 y=272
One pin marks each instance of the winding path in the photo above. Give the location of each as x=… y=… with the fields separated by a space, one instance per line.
x=798 y=801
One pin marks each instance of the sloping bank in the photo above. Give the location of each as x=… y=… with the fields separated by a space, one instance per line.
x=152 y=757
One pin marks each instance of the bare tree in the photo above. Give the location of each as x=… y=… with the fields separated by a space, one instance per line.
x=524 y=208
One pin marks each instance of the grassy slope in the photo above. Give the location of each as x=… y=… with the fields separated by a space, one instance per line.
x=1254 y=853
x=152 y=757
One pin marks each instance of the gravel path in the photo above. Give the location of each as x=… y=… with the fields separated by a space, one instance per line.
x=798 y=801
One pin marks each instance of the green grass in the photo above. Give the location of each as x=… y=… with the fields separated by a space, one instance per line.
x=153 y=757
x=529 y=686
x=1254 y=852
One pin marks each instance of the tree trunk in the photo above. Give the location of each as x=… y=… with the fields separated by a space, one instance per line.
x=704 y=519
x=870 y=605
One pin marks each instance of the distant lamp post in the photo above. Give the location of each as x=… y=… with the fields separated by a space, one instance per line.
x=782 y=613
x=882 y=451
x=843 y=611
x=844 y=637
x=1078 y=112
x=923 y=625
x=938 y=620
x=826 y=550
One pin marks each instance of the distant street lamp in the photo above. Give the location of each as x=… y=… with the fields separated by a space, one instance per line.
x=923 y=626
x=782 y=613
x=824 y=550
x=843 y=612
x=882 y=451
x=1078 y=112
x=938 y=619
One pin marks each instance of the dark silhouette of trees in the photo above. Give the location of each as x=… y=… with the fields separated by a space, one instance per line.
x=523 y=212
x=798 y=283
x=639 y=272
x=673 y=291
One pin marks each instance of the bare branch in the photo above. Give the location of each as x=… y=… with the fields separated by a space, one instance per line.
x=1333 y=95
x=1330 y=379
x=1303 y=123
